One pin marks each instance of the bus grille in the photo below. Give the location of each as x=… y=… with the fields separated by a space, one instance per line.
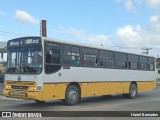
x=19 y=87
x=20 y=83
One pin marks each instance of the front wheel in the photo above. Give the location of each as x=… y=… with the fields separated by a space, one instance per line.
x=72 y=95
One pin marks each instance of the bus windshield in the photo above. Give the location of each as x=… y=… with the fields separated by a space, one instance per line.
x=25 y=60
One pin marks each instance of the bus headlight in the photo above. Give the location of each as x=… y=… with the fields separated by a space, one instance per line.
x=32 y=88
x=8 y=87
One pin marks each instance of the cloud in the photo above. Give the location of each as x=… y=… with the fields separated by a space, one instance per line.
x=83 y=36
x=153 y=3
x=130 y=36
x=137 y=36
x=127 y=36
x=154 y=23
x=129 y=5
x=25 y=18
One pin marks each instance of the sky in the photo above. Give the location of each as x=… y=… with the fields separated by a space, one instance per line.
x=128 y=25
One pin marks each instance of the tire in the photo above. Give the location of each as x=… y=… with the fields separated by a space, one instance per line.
x=72 y=95
x=133 y=92
x=39 y=102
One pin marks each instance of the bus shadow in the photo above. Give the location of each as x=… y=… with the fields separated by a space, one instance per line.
x=100 y=99
x=32 y=105
x=110 y=98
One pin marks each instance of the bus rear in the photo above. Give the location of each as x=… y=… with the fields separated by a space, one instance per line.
x=23 y=77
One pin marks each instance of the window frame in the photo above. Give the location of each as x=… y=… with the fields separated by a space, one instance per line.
x=63 y=53
x=90 y=56
x=59 y=66
x=121 y=60
x=110 y=56
x=133 y=61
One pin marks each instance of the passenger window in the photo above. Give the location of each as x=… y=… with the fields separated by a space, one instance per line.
x=151 y=63
x=52 y=57
x=89 y=57
x=143 y=63
x=133 y=62
x=120 y=60
x=106 y=59
x=71 y=55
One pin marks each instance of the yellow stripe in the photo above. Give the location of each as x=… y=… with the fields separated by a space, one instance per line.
x=57 y=91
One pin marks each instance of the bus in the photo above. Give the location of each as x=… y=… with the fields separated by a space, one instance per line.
x=44 y=69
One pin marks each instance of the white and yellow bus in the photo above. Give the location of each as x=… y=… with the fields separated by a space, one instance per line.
x=43 y=69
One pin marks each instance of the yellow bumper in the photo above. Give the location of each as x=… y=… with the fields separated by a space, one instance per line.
x=23 y=94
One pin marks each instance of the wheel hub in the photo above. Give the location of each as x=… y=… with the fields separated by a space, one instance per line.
x=72 y=95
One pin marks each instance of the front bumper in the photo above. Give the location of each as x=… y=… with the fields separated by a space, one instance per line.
x=32 y=95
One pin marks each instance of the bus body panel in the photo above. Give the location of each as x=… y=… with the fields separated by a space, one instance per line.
x=93 y=81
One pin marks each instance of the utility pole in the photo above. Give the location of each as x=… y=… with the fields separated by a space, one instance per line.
x=146 y=50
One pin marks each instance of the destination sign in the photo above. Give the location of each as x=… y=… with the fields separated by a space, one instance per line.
x=24 y=41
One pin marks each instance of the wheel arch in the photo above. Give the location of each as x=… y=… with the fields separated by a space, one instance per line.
x=134 y=82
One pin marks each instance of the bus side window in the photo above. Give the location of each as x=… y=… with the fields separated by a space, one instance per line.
x=48 y=55
x=52 y=57
x=71 y=55
x=106 y=59
x=89 y=56
x=48 y=58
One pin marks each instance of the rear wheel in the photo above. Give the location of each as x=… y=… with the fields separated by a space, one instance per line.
x=133 y=93
x=72 y=95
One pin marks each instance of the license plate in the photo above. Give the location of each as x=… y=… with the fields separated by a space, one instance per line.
x=16 y=92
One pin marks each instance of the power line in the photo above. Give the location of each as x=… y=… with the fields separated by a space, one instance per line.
x=124 y=47
x=11 y=33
